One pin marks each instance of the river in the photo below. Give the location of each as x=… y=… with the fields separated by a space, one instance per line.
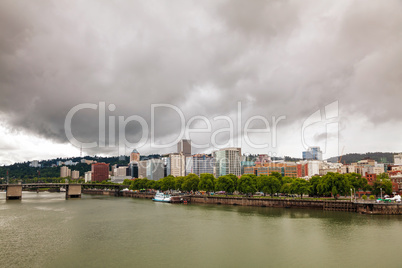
x=45 y=230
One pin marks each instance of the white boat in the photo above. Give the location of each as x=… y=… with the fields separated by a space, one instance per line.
x=62 y=189
x=161 y=197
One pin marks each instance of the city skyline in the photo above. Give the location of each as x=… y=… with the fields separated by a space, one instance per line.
x=326 y=75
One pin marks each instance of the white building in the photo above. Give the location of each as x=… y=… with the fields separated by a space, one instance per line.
x=227 y=161
x=88 y=176
x=313 y=168
x=398 y=159
x=35 y=163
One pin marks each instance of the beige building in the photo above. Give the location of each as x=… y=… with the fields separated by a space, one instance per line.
x=398 y=159
x=75 y=174
x=65 y=172
x=177 y=164
x=120 y=171
x=134 y=156
x=142 y=169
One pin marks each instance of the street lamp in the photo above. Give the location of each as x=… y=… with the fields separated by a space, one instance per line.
x=350 y=194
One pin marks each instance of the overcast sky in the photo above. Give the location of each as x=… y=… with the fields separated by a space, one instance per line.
x=329 y=73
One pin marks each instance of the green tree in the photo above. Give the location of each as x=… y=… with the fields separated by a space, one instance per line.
x=382 y=182
x=314 y=182
x=207 y=182
x=300 y=186
x=334 y=182
x=356 y=181
x=127 y=182
x=225 y=183
x=269 y=184
x=179 y=183
x=168 y=183
x=235 y=180
x=247 y=184
x=191 y=182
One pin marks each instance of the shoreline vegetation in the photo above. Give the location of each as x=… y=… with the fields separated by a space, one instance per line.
x=331 y=185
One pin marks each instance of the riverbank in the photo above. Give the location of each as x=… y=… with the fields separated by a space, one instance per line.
x=326 y=205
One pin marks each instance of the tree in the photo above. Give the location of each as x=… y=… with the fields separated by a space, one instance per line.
x=333 y=183
x=247 y=184
x=382 y=182
x=314 y=182
x=168 y=183
x=225 y=183
x=300 y=186
x=207 y=182
x=235 y=180
x=191 y=182
x=356 y=181
x=127 y=182
x=286 y=188
x=268 y=184
x=179 y=183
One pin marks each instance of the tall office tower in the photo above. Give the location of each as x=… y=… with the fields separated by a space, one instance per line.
x=184 y=147
x=227 y=161
x=100 y=172
x=142 y=169
x=133 y=169
x=202 y=163
x=177 y=164
x=155 y=169
x=134 y=156
x=313 y=153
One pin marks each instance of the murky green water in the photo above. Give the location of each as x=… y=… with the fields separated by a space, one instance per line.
x=45 y=230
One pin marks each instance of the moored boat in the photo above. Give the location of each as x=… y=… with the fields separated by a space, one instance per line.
x=161 y=197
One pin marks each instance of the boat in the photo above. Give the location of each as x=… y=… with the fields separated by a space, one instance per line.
x=161 y=197
x=62 y=189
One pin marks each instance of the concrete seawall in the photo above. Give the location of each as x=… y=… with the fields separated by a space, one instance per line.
x=330 y=205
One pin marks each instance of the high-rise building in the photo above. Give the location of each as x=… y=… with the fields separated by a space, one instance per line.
x=134 y=156
x=155 y=169
x=142 y=169
x=184 y=147
x=65 y=172
x=313 y=153
x=133 y=169
x=202 y=163
x=100 y=172
x=227 y=161
x=75 y=174
x=177 y=164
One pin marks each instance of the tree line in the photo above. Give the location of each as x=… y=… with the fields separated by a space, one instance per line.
x=331 y=184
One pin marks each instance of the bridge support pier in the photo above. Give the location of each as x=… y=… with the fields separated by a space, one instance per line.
x=73 y=191
x=14 y=192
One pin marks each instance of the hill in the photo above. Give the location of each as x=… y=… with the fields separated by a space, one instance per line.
x=354 y=157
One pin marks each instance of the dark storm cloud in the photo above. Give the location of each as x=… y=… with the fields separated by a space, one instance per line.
x=277 y=57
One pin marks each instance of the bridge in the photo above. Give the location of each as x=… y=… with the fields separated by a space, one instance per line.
x=14 y=191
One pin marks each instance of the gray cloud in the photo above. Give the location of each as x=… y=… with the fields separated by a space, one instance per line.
x=276 y=57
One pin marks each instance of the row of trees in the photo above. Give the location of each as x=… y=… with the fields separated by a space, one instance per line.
x=331 y=184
